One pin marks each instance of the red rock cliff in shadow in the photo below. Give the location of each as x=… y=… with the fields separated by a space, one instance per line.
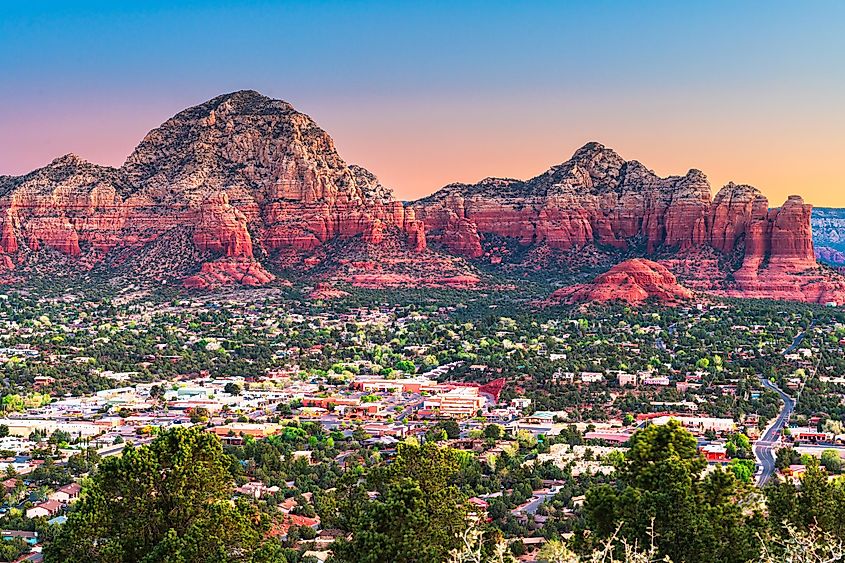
x=632 y=281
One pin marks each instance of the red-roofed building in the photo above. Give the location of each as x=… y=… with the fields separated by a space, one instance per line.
x=281 y=527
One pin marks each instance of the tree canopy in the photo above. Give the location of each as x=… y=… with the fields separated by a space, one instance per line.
x=661 y=492
x=417 y=515
x=168 y=501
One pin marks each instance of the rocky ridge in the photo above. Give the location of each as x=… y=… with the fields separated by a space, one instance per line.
x=242 y=188
x=632 y=281
x=598 y=200
x=247 y=174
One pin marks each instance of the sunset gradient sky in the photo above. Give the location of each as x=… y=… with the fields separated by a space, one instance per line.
x=427 y=93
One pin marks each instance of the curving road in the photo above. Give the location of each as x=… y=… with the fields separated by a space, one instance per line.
x=764 y=448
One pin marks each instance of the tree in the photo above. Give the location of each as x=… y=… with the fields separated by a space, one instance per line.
x=818 y=504
x=661 y=496
x=168 y=501
x=4 y=430
x=831 y=461
x=738 y=445
x=199 y=415
x=232 y=388
x=494 y=431
x=451 y=427
x=786 y=457
x=743 y=469
x=419 y=514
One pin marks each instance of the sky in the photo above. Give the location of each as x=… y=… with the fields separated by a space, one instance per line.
x=428 y=93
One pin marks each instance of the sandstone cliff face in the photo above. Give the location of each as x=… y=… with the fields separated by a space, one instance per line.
x=594 y=198
x=598 y=199
x=243 y=183
x=242 y=171
x=632 y=281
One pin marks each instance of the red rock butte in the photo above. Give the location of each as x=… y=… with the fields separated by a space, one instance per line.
x=241 y=186
x=632 y=281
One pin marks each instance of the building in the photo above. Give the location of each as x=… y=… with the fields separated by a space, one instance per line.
x=67 y=494
x=714 y=453
x=540 y=417
x=406 y=385
x=460 y=402
x=520 y=403
x=625 y=378
x=46 y=508
x=699 y=424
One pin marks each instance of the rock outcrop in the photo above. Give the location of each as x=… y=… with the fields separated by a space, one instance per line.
x=597 y=199
x=632 y=281
x=247 y=175
x=226 y=191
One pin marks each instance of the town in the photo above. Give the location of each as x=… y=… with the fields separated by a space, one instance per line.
x=544 y=403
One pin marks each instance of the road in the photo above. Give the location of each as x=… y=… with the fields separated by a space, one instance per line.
x=764 y=448
x=531 y=506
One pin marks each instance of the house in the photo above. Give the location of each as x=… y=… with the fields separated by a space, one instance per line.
x=32 y=557
x=280 y=528
x=626 y=379
x=30 y=537
x=256 y=489
x=46 y=508
x=520 y=403
x=66 y=494
x=479 y=508
x=714 y=453
x=591 y=377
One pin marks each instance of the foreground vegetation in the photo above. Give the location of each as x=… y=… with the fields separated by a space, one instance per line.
x=169 y=501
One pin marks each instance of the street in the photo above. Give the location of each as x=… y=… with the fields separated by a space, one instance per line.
x=764 y=447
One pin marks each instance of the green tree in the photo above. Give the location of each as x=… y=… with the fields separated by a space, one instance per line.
x=451 y=427
x=831 y=461
x=494 y=431
x=418 y=515
x=661 y=490
x=168 y=501
x=743 y=469
x=819 y=503
x=786 y=457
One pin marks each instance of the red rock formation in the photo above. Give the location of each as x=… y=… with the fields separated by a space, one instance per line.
x=243 y=177
x=593 y=198
x=8 y=240
x=632 y=281
x=222 y=229
x=414 y=229
x=238 y=171
x=324 y=291
x=791 y=235
x=227 y=272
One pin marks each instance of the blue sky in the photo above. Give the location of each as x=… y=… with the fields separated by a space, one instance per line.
x=424 y=93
